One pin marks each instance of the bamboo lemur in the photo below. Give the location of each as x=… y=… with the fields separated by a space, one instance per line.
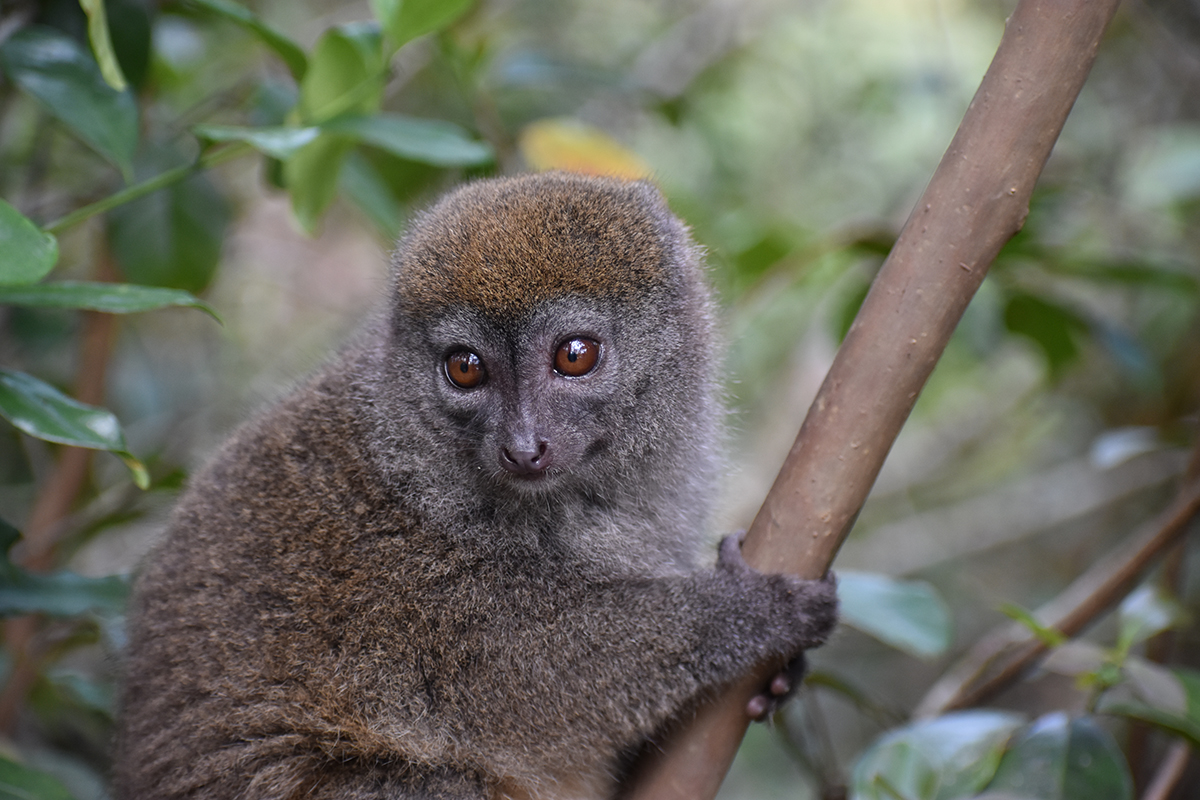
x=463 y=560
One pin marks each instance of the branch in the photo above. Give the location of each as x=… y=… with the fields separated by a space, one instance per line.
x=1002 y=656
x=54 y=501
x=1170 y=772
x=162 y=180
x=976 y=201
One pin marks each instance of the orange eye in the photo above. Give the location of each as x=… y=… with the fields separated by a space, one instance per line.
x=576 y=357
x=465 y=369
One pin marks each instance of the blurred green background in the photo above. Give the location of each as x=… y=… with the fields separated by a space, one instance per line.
x=793 y=137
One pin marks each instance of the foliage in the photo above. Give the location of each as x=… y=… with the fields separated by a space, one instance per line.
x=60 y=594
x=953 y=756
x=40 y=410
x=20 y=781
x=1059 y=757
x=166 y=227
x=909 y=615
x=140 y=143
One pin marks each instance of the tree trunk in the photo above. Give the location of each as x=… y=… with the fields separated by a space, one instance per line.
x=976 y=201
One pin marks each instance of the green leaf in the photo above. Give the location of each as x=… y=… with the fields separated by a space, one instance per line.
x=428 y=141
x=1050 y=637
x=312 y=175
x=434 y=142
x=61 y=75
x=371 y=194
x=1190 y=679
x=18 y=782
x=61 y=594
x=26 y=253
x=408 y=181
x=102 y=46
x=1076 y=659
x=405 y=20
x=291 y=53
x=129 y=27
x=170 y=238
x=111 y=298
x=1059 y=758
x=909 y=615
x=87 y=692
x=1052 y=327
x=1157 y=685
x=278 y=142
x=42 y=411
x=1167 y=715
x=851 y=302
x=949 y=757
x=1172 y=723
x=1118 y=675
x=345 y=75
x=1146 y=612
x=753 y=262
x=272 y=102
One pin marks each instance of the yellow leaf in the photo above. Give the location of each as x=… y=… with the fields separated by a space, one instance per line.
x=572 y=146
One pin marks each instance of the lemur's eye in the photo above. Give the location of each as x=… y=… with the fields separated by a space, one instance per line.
x=465 y=369
x=576 y=357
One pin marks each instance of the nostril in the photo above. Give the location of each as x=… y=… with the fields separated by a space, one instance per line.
x=526 y=460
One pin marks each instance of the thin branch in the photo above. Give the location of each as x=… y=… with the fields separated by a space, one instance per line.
x=976 y=201
x=19 y=634
x=55 y=500
x=1003 y=655
x=57 y=496
x=1170 y=771
x=162 y=180
x=1160 y=647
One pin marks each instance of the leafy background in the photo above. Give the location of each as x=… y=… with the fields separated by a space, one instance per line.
x=287 y=143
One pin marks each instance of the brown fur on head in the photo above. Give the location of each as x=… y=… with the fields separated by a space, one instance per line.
x=503 y=246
